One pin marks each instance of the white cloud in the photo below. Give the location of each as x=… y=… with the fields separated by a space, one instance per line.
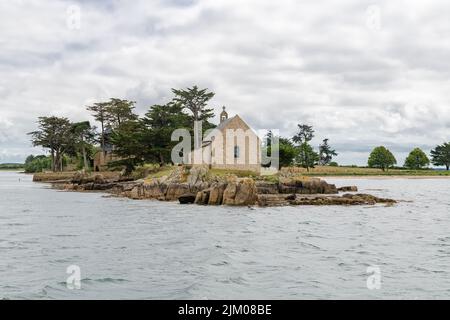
x=275 y=63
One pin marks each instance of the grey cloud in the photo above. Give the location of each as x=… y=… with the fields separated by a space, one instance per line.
x=276 y=64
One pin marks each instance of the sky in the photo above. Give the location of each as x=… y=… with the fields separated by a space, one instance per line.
x=362 y=73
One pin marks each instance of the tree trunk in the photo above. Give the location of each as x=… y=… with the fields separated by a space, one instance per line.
x=86 y=165
x=103 y=137
x=57 y=161
x=448 y=167
x=53 y=160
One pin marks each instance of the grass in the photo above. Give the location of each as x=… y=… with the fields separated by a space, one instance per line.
x=358 y=171
x=11 y=166
x=238 y=173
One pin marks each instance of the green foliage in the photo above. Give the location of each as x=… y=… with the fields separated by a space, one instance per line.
x=130 y=145
x=99 y=112
x=305 y=134
x=11 y=166
x=440 y=156
x=119 y=111
x=283 y=147
x=381 y=157
x=416 y=159
x=54 y=134
x=159 y=123
x=307 y=157
x=35 y=164
x=326 y=153
x=83 y=136
x=196 y=101
x=333 y=164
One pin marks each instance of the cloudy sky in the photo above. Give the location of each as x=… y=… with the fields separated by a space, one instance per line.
x=363 y=73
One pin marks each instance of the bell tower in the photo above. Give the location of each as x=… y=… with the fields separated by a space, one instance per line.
x=223 y=115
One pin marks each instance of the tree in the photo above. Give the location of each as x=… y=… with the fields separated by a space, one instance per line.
x=381 y=157
x=440 y=156
x=306 y=157
x=100 y=112
x=160 y=121
x=83 y=136
x=305 y=134
x=417 y=159
x=196 y=101
x=129 y=145
x=119 y=111
x=326 y=153
x=35 y=164
x=285 y=149
x=54 y=134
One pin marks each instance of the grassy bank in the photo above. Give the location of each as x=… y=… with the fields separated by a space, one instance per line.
x=11 y=167
x=357 y=171
x=56 y=176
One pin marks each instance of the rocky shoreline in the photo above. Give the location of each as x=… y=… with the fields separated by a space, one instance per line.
x=198 y=186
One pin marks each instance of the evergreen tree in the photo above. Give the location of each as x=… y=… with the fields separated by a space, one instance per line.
x=306 y=157
x=196 y=101
x=440 y=156
x=160 y=121
x=326 y=153
x=54 y=134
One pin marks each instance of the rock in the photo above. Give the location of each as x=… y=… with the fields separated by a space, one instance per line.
x=216 y=193
x=263 y=187
x=175 y=190
x=348 y=189
x=346 y=199
x=198 y=198
x=197 y=174
x=272 y=200
x=135 y=193
x=305 y=185
x=202 y=197
x=241 y=192
x=187 y=198
x=291 y=197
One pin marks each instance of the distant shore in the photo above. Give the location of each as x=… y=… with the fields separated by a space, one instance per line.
x=383 y=177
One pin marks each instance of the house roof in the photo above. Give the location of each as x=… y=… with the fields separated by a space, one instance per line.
x=221 y=127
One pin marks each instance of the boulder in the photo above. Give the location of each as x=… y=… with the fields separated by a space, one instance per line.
x=187 y=198
x=216 y=193
x=202 y=197
x=240 y=192
x=346 y=199
x=263 y=187
x=305 y=185
x=175 y=190
x=348 y=189
x=197 y=174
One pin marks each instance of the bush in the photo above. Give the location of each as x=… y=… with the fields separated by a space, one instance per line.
x=37 y=164
x=333 y=164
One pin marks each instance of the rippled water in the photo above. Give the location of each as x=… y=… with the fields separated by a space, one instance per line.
x=151 y=250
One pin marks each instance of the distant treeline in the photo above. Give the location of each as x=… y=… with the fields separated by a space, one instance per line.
x=11 y=166
x=138 y=140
